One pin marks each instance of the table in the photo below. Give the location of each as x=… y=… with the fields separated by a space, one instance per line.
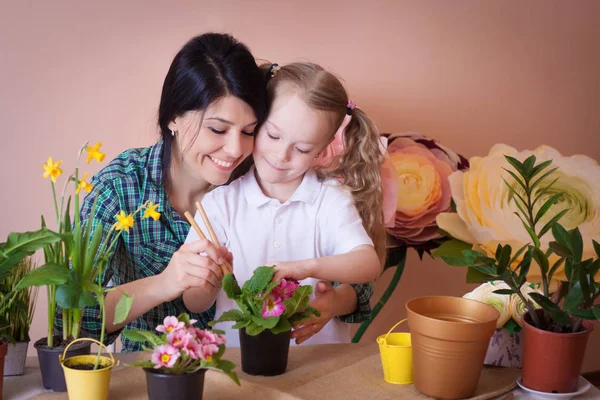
x=346 y=371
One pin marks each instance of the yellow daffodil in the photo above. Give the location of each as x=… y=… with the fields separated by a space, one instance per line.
x=124 y=221
x=95 y=153
x=83 y=184
x=52 y=169
x=151 y=212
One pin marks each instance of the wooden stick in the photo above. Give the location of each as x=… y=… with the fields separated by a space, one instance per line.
x=225 y=267
x=211 y=231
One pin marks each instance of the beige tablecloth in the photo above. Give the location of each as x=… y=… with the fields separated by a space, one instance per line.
x=342 y=371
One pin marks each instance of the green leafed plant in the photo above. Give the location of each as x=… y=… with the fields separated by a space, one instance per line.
x=265 y=305
x=531 y=187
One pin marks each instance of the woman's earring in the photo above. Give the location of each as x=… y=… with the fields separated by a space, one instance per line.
x=172 y=133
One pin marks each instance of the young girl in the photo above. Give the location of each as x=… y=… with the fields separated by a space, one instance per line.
x=321 y=223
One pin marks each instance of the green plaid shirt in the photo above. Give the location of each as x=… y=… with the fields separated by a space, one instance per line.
x=133 y=177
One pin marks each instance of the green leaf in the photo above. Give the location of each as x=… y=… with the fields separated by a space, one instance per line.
x=574 y=297
x=259 y=281
x=504 y=291
x=517 y=254
x=503 y=257
x=46 y=275
x=541 y=259
x=525 y=264
x=576 y=243
x=298 y=301
x=560 y=249
x=515 y=177
x=552 y=222
x=596 y=248
x=142 y=364
x=73 y=293
x=227 y=367
x=514 y=191
x=584 y=278
x=29 y=242
x=546 y=206
x=558 y=316
x=123 y=308
x=532 y=235
x=231 y=287
x=582 y=313
x=253 y=329
x=474 y=275
x=267 y=323
x=512 y=326
x=595 y=267
x=555 y=267
x=143 y=337
x=596 y=311
x=283 y=325
x=232 y=315
x=516 y=164
x=92 y=249
x=528 y=166
x=562 y=237
x=452 y=248
x=239 y=324
x=539 y=168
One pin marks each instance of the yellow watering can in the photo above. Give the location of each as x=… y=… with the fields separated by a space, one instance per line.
x=396 y=356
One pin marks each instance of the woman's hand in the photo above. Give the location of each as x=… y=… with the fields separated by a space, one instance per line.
x=325 y=302
x=188 y=269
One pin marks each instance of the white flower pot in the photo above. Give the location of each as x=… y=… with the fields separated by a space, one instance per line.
x=14 y=363
x=504 y=349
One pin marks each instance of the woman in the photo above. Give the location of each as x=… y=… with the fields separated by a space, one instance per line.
x=213 y=98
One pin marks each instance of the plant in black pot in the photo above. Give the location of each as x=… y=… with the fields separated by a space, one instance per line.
x=267 y=311
x=181 y=355
x=550 y=216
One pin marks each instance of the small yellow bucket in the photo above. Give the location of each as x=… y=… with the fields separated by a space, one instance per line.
x=396 y=356
x=87 y=384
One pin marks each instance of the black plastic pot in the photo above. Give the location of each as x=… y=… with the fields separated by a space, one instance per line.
x=52 y=372
x=174 y=387
x=264 y=354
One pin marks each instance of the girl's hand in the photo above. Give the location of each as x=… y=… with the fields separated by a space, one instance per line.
x=188 y=268
x=297 y=270
x=324 y=302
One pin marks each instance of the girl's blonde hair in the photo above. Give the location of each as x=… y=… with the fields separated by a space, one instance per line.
x=359 y=167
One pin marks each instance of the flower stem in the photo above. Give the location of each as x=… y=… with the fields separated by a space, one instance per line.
x=384 y=298
x=55 y=203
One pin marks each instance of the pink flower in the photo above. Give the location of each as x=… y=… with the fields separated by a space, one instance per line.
x=285 y=289
x=419 y=167
x=179 y=338
x=207 y=337
x=208 y=351
x=193 y=349
x=164 y=356
x=273 y=306
x=169 y=324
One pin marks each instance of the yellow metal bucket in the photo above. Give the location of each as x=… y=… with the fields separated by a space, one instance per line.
x=396 y=356
x=87 y=384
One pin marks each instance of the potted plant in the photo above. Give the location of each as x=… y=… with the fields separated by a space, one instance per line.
x=267 y=311
x=19 y=315
x=541 y=212
x=180 y=357
x=505 y=348
x=73 y=264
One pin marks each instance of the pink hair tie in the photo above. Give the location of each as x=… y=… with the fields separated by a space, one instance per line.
x=350 y=107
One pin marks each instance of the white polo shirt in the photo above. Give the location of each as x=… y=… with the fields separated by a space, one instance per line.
x=320 y=219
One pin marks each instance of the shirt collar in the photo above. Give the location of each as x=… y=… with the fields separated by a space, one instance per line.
x=307 y=191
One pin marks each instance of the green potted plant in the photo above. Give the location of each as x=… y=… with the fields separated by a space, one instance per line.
x=16 y=248
x=19 y=315
x=527 y=224
x=73 y=264
x=181 y=355
x=267 y=311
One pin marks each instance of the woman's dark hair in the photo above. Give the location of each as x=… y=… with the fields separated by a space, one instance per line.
x=207 y=68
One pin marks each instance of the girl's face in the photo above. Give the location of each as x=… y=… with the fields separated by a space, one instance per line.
x=225 y=137
x=289 y=140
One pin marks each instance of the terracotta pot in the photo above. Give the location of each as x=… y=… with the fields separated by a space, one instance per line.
x=552 y=361
x=450 y=337
x=3 y=350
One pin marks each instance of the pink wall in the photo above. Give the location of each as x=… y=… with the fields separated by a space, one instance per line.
x=469 y=73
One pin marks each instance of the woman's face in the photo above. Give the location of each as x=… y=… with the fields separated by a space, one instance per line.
x=213 y=142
